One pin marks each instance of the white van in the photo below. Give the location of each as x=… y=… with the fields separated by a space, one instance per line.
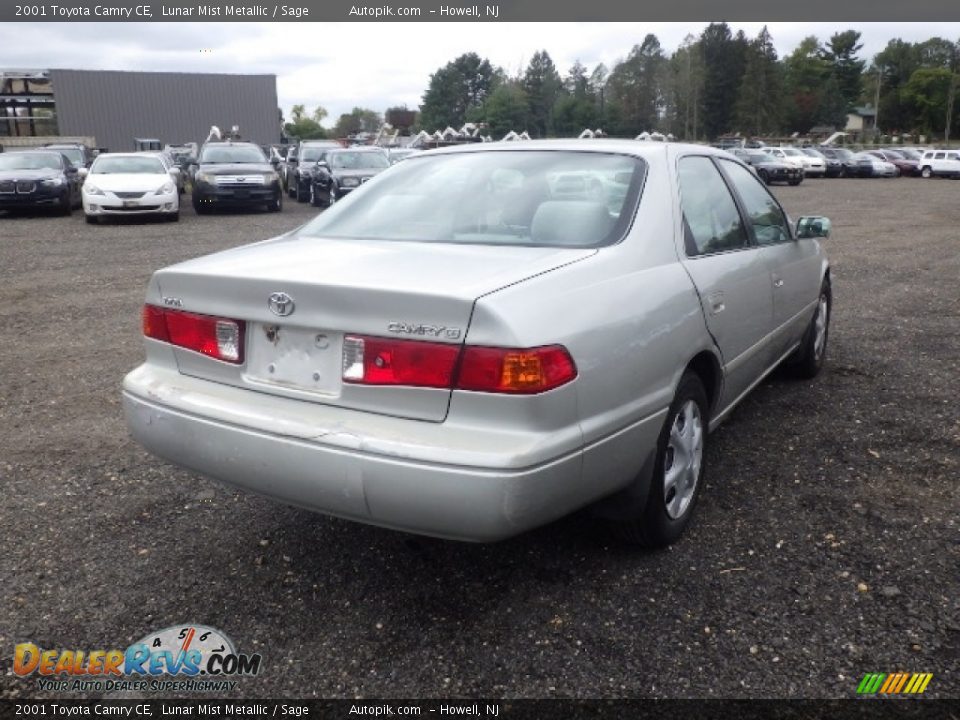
x=942 y=163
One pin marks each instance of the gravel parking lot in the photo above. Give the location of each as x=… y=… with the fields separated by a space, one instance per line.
x=826 y=544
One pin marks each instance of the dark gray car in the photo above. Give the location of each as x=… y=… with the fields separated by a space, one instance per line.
x=235 y=174
x=339 y=172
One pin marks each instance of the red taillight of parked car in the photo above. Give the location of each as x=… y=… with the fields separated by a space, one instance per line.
x=516 y=371
x=216 y=337
x=383 y=361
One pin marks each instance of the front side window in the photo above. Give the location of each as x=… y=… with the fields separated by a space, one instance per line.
x=769 y=223
x=711 y=220
x=499 y=197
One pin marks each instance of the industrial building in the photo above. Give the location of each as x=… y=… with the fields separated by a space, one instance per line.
x=114 y=107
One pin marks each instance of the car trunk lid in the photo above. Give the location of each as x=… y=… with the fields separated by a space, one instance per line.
x=335 y=288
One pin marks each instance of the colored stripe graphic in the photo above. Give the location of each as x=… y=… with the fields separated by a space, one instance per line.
x=894 y=683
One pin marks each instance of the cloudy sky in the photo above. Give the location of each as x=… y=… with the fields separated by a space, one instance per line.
x=375 y=65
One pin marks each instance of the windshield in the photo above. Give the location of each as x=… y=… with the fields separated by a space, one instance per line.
x=312 y=154
x=106 y=165
x=812 y=153
x=75 y=155
x=358 y=160
x=910 y=154
x=792 y=152
x=232 y=154
x=29 y=161
x=547 y=198
x=759 y=157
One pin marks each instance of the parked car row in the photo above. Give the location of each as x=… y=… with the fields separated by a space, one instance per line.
x=792 y=164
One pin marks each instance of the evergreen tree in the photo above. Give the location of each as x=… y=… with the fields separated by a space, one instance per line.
x=455 y=89
x=758 y=105
x=542 y=84
x=847 y=68
x=724 y=56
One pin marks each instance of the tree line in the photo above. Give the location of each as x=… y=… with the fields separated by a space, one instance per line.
x=714 y=84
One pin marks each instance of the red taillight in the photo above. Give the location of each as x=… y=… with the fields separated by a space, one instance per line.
x=515 y=371
x=216 y=337
x=383 y=361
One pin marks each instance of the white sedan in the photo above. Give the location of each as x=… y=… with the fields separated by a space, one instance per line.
x=130 y=184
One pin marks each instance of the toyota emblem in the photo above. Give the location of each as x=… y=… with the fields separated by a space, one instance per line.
x=280 y=304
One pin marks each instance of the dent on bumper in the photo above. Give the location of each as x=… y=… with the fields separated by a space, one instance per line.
x=334 y=473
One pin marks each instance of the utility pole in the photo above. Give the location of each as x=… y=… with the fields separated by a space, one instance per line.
x=876 y=104
x=951 y=97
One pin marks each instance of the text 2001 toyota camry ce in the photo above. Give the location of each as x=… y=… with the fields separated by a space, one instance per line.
x=481 y=340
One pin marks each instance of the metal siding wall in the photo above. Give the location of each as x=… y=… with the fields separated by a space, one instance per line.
x=116 y=107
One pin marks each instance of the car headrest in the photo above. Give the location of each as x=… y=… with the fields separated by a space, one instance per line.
x=570 y=222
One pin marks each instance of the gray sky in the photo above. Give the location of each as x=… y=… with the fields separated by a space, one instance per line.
x=375 y=65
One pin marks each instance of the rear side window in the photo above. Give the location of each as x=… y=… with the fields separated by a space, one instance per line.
x=768 y=221
x=711 y=220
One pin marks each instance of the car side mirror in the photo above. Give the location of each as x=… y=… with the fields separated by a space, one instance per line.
x=813 y=226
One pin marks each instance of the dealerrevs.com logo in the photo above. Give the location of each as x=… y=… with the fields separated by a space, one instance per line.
x=186 y=658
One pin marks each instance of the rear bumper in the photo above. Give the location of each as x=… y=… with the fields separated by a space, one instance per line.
x=333 y=466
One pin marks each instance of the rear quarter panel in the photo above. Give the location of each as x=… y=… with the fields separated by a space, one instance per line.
x=631 y=319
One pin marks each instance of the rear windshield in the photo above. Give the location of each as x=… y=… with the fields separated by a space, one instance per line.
x=540 y=198
x=232 y=154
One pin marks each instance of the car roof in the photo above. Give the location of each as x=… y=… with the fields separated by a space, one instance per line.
x=229 y=143
x=34 y=151
x=635 y=148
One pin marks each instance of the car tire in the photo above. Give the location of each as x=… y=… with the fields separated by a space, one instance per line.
x=314 y=200
x=674 y=490
x=333 y=196
x=277 y=204
x=66 y=205
x=926 y=172
x=808 y=359
x=764 y=176
x=302 y=195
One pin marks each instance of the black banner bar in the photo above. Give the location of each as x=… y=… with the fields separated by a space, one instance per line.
x=873 y=709
x=479 y=11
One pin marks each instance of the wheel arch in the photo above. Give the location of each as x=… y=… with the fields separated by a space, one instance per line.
x=706 y=366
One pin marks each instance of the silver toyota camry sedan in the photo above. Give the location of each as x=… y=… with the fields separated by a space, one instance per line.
x=481 y=340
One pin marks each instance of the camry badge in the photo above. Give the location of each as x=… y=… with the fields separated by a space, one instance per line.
x=280 y=304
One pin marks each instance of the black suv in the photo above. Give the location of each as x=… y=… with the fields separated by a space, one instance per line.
x=301 y=161
x=235 y=174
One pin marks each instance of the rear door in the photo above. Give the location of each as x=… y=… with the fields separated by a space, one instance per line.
x=729 y=271
x=794 y=264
